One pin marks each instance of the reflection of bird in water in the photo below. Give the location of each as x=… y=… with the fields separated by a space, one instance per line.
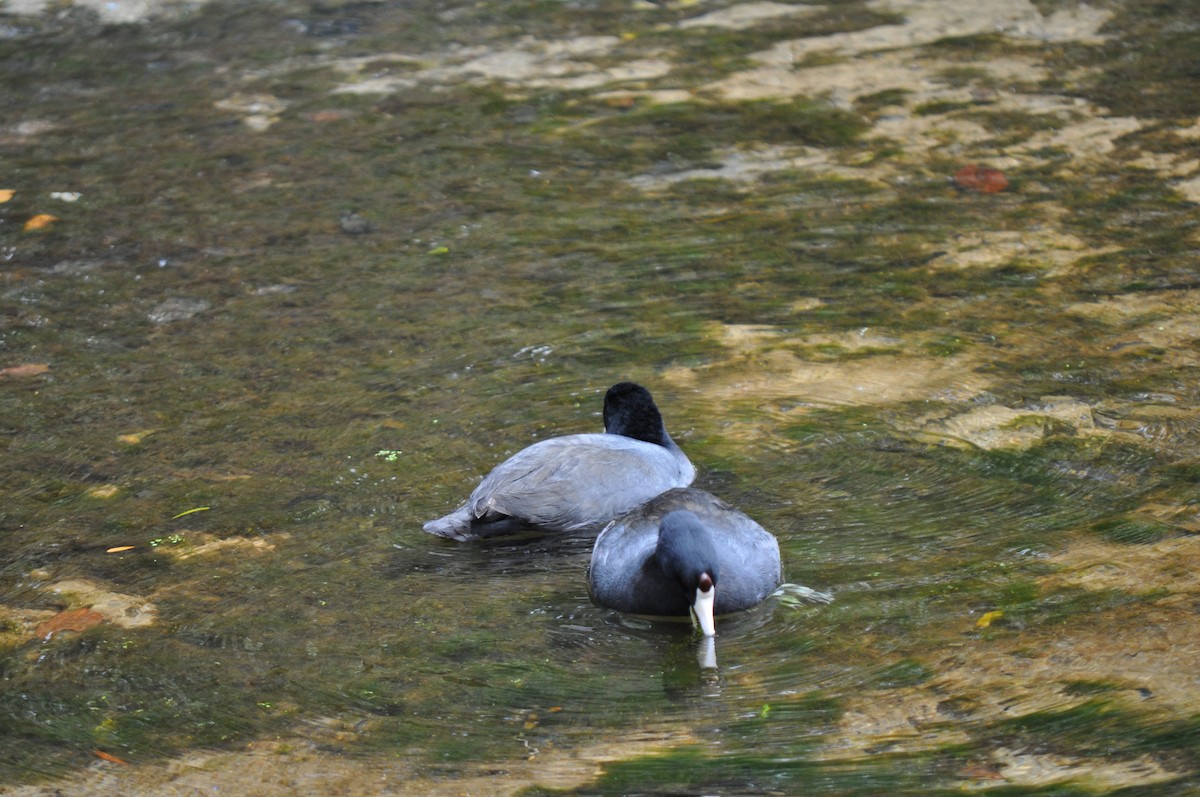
x=577 y=481
x=684 y=551
x=706 y=653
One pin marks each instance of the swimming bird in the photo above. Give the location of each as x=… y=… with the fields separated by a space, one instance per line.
x=685 y=551
x=577 y=481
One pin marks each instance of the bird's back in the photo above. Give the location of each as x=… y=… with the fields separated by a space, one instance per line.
x=623 y=574
x=580 y=480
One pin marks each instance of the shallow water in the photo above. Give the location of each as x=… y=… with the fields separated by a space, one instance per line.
x=331 y=262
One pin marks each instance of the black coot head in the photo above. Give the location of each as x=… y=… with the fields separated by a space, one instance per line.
x=629 y=410
x=687 y=552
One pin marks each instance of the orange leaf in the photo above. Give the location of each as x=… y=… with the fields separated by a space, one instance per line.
x=6 y=194
x=39 y=221
x=109 y=757
x=70 y=620
x=983 y=179
x=120 y=548
x=25 y=369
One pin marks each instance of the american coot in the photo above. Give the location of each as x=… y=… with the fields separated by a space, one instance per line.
x=580 y=480
x=685 y=550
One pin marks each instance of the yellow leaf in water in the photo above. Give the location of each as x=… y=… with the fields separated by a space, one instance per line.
x=190 y=511
x=6 y=194
x=120 y=548
x=988 y=618
x=104 y=491
x=39 y=221
x=135 y=437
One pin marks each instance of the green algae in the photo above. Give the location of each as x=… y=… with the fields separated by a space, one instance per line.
x=1092 y=724
x=693 y=131
x=1144 y=71
x=1131 y=530
x=939 y=107
x=691 y=770
x=902 y=674
x=882 y=99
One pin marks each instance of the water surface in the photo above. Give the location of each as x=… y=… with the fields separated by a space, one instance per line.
x=329 y=263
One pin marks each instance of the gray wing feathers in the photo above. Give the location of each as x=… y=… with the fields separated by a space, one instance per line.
x=579 y=480
x=620 y=551
x=756 y=571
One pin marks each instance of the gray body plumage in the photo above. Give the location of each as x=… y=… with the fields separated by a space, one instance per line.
x=625 y=574
x=577 y=481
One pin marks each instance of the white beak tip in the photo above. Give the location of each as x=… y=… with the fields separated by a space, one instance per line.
x=702 y=610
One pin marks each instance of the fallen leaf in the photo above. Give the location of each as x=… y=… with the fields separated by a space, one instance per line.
x=25 y=369
x=6 y=194
x=120 y=548
x=109 y=757
x=984 y=179
x=104 y=491
x=39 y=221
x=135 y=437
x=190 y=511
x=69 y=620
x=988 y=618
x=328 y=116
x=210 y=475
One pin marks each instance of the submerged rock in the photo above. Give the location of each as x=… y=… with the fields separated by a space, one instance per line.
x=352 y=223
x=178 y=309
x=127 y=611
x=999 y=427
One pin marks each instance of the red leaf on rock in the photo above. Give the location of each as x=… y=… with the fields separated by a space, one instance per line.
x=983 y=179
x=70 y=620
